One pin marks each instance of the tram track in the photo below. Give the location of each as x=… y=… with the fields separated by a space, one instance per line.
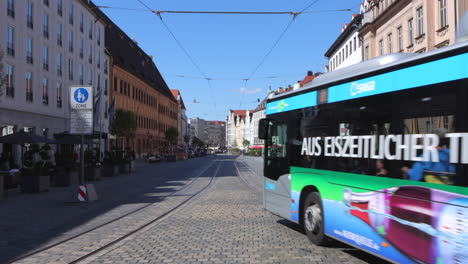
x=133 y=212
x=254 y=189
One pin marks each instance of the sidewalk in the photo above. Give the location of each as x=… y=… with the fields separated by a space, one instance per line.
x=30 y=221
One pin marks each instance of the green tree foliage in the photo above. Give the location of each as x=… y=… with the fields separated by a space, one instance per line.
x=171 y=135
x=124 y=124
x=196 y=142
x=186 y=139
x=245 y=143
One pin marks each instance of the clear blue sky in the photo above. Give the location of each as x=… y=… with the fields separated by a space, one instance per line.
x=228 y=48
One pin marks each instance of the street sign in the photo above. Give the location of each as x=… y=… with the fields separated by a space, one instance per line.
x=81 y=97
x=81 y=121
x=81 y=110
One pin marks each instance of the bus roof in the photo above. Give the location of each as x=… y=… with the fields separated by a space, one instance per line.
x=366 y=67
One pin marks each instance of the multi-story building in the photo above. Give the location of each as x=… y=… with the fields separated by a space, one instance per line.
x=182 y=121
x=346 y=50
x=210 y=132
x=238 y=128
x=137 y=86
x=258 y=114
x=50 y=46
x=413 y=26
x=216 y=132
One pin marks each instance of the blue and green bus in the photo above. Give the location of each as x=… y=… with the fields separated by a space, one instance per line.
x=376 y=156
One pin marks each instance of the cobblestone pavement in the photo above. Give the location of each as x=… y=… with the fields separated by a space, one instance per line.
x=32 y=221
x=226 y=224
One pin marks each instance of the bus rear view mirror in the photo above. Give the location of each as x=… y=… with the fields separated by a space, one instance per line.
x=263 y=128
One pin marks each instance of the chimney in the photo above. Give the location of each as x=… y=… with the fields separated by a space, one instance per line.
x=310 y=73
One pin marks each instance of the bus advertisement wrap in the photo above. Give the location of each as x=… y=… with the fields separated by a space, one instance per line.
x=407 y=223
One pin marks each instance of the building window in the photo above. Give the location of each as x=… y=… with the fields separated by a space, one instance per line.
x=45 y=58
x=59 y=64
x=70 y=41
x=58 y=91
x=81 y=48
x=59 y=34
x=354 y=44
x=105 y=66
x=29 y=50
x=390 y=43
x=90 y=52
x=90 y=30
x=98 y=60
x=46 y=2
x=115 y=84
x=410 y=32
x=98 y=35
x=45 y=91
x=106 y=92
x=80 y=73
x=90 y=77
x=9 y=81
x=400 y=38
x=70 y=69
x=11 y=41
x=11 y=8
x=106 y=107
x=346 y=53
x=419 y=11
x=29 y=14
x=59 y=7
x=70 y=14
x=381 y=47
x=99 y=82
x=45 y=26
x=29 y=91
x=81 y=22
x=443 y=13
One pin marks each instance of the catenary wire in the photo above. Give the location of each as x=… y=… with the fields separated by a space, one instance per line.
x=274 y=45
x=186 y=53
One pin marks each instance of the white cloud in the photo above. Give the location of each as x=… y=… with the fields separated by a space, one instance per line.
x=244 y=90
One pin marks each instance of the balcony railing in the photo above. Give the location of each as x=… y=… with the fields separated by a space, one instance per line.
x=10 y=50
x=45 y=100
x=10 y=91
x=11 y=12
x=59 y=103
x=29 y=96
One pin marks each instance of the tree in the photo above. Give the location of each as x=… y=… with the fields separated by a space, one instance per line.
x=171 y=135
x=196 y=142
x=124 y=124
x=186 y=139
x=245 y=143
x=2 y=72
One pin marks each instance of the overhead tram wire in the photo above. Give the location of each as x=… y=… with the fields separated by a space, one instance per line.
x=223 y=12
x=295 y=14
x=185 y=51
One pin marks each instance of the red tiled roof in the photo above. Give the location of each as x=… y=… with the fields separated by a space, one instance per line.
x=241 y=113
x=307 y=79
x=219 y=123
x=175 y=93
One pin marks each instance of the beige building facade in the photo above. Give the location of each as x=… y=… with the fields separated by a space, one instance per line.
x=412 y=26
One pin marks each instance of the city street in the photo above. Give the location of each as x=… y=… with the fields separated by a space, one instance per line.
x=203 y=210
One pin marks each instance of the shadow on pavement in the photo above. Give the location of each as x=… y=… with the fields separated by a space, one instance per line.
x=32 y=221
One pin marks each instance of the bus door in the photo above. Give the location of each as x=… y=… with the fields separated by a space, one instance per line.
x=276 y=170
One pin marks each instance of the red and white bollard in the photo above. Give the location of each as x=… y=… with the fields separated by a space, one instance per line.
x=82 y=193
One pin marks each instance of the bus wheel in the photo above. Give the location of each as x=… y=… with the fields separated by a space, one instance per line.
x=313 y=219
